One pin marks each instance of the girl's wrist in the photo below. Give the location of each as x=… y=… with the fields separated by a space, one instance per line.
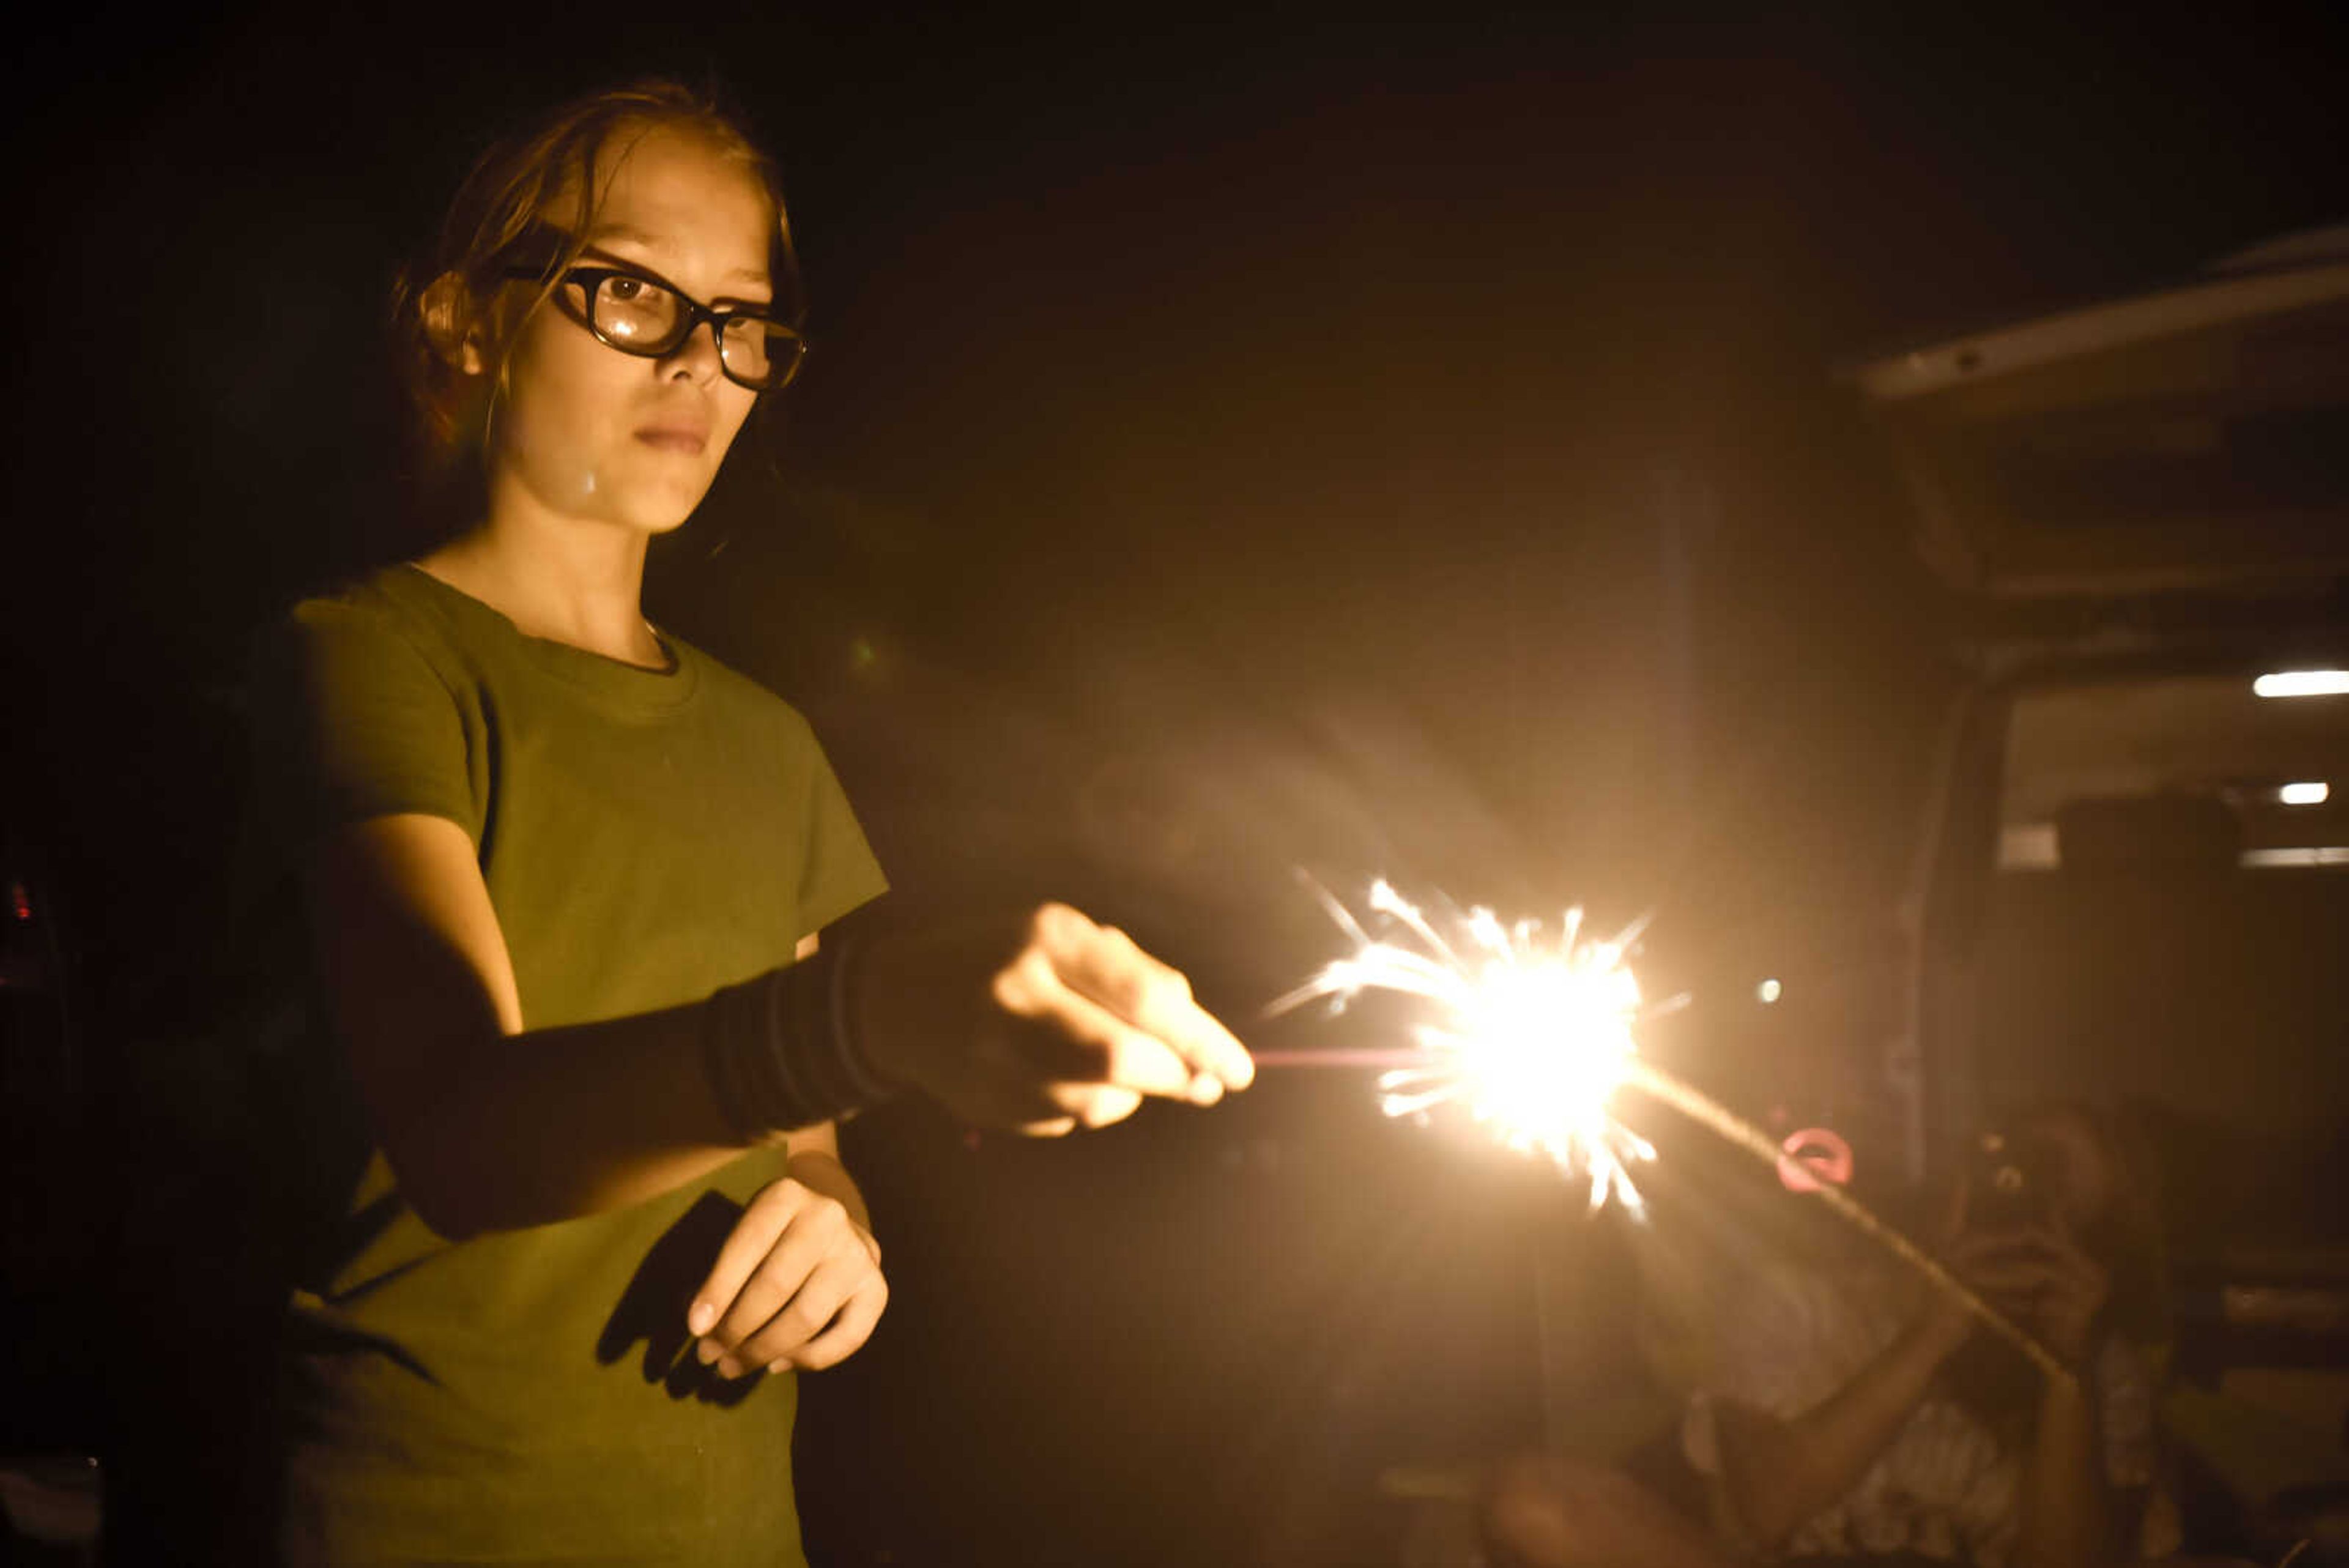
x=781 y=1050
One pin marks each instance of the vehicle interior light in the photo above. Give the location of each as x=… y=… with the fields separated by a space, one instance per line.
x=2302 y=683
x=2313 y=794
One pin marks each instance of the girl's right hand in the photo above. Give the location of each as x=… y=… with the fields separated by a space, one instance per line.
x=1057 y=1024
x=797 y=1284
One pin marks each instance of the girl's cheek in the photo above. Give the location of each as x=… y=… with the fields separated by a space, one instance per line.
x=544 y=445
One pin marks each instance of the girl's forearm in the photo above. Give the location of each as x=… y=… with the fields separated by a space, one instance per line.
x=557 y=1123
x=2066 y=1514
x=1780 y=1474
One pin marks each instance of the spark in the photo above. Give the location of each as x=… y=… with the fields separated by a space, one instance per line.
x=1535 y=1038
x=1533 y=1033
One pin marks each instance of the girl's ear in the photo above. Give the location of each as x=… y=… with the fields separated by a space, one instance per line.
x=450 y=325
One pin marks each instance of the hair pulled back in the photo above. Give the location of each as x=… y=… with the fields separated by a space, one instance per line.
x=498 y=218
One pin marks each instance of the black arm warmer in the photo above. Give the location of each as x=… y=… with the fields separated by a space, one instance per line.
x=780 y=1048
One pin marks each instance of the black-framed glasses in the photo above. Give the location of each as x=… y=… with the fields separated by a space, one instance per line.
x=641 y=313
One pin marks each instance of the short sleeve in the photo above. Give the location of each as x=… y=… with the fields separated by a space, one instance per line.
x=352 y=722
x=840 y=872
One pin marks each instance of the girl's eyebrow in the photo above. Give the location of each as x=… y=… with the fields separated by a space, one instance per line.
x=635 y=237
x=593 y=251
x=598 y=253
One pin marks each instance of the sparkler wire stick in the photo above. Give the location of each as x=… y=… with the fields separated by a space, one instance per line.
x=1537 y=1041
x=1403 y=1057
x=1716 y=1117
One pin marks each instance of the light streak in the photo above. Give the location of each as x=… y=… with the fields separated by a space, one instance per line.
x=2302 y=683
x=1534 y=1038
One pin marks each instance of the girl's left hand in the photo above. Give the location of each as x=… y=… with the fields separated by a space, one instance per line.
x=2065 y=1306
x=797 y=1284
x=2039 y=1276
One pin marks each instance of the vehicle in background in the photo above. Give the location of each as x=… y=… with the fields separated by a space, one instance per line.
x=2134 y=878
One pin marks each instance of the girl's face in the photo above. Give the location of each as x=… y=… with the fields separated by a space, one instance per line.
x=583 y=430
x=2083 y=1176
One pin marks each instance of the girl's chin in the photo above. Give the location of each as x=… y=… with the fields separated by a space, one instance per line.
x=662 y=505
x=651 y=520
x=643 y=498
x=650 y=509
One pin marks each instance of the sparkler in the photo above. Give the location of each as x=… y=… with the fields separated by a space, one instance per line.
x=1535 y=1037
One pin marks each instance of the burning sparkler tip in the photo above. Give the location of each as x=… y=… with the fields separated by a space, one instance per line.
x=1533 y=1037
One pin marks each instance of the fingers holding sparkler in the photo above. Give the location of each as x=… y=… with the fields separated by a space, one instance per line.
x=1147 y=1004
x=1073 y=1028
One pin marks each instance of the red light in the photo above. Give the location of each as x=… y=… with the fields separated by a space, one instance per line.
x=1813 y=1157
x=20 y=901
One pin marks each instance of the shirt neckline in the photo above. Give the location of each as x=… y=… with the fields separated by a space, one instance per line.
x=631 y=686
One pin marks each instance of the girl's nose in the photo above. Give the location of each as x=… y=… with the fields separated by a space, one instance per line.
x=697 y=359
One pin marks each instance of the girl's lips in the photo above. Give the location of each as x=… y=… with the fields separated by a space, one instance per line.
x=689 y=442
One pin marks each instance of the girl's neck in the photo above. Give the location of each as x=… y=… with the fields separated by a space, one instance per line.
x=568 y=581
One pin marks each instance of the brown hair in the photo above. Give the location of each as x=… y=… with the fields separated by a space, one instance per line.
x=2128 y=1237
x=498 y=220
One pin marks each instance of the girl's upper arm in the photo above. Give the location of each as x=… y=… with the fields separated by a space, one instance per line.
x=416 y=969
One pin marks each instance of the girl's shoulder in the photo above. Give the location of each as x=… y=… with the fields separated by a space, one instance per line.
x=398 y=600
x=377 y=630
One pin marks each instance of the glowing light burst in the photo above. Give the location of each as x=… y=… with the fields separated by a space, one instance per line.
x=1534 y=1033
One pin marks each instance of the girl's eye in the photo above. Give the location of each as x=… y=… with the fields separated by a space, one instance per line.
x=634 y=310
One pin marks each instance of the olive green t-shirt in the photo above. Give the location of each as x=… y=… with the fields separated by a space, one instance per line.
x=647 y=837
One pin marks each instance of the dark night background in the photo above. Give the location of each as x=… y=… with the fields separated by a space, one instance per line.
x=1230 y=444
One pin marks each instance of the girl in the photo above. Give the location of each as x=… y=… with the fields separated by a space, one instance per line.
x=1853 y=1417
x=565 y=875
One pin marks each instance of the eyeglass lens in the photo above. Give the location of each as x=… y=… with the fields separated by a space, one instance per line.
x=640 y=315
